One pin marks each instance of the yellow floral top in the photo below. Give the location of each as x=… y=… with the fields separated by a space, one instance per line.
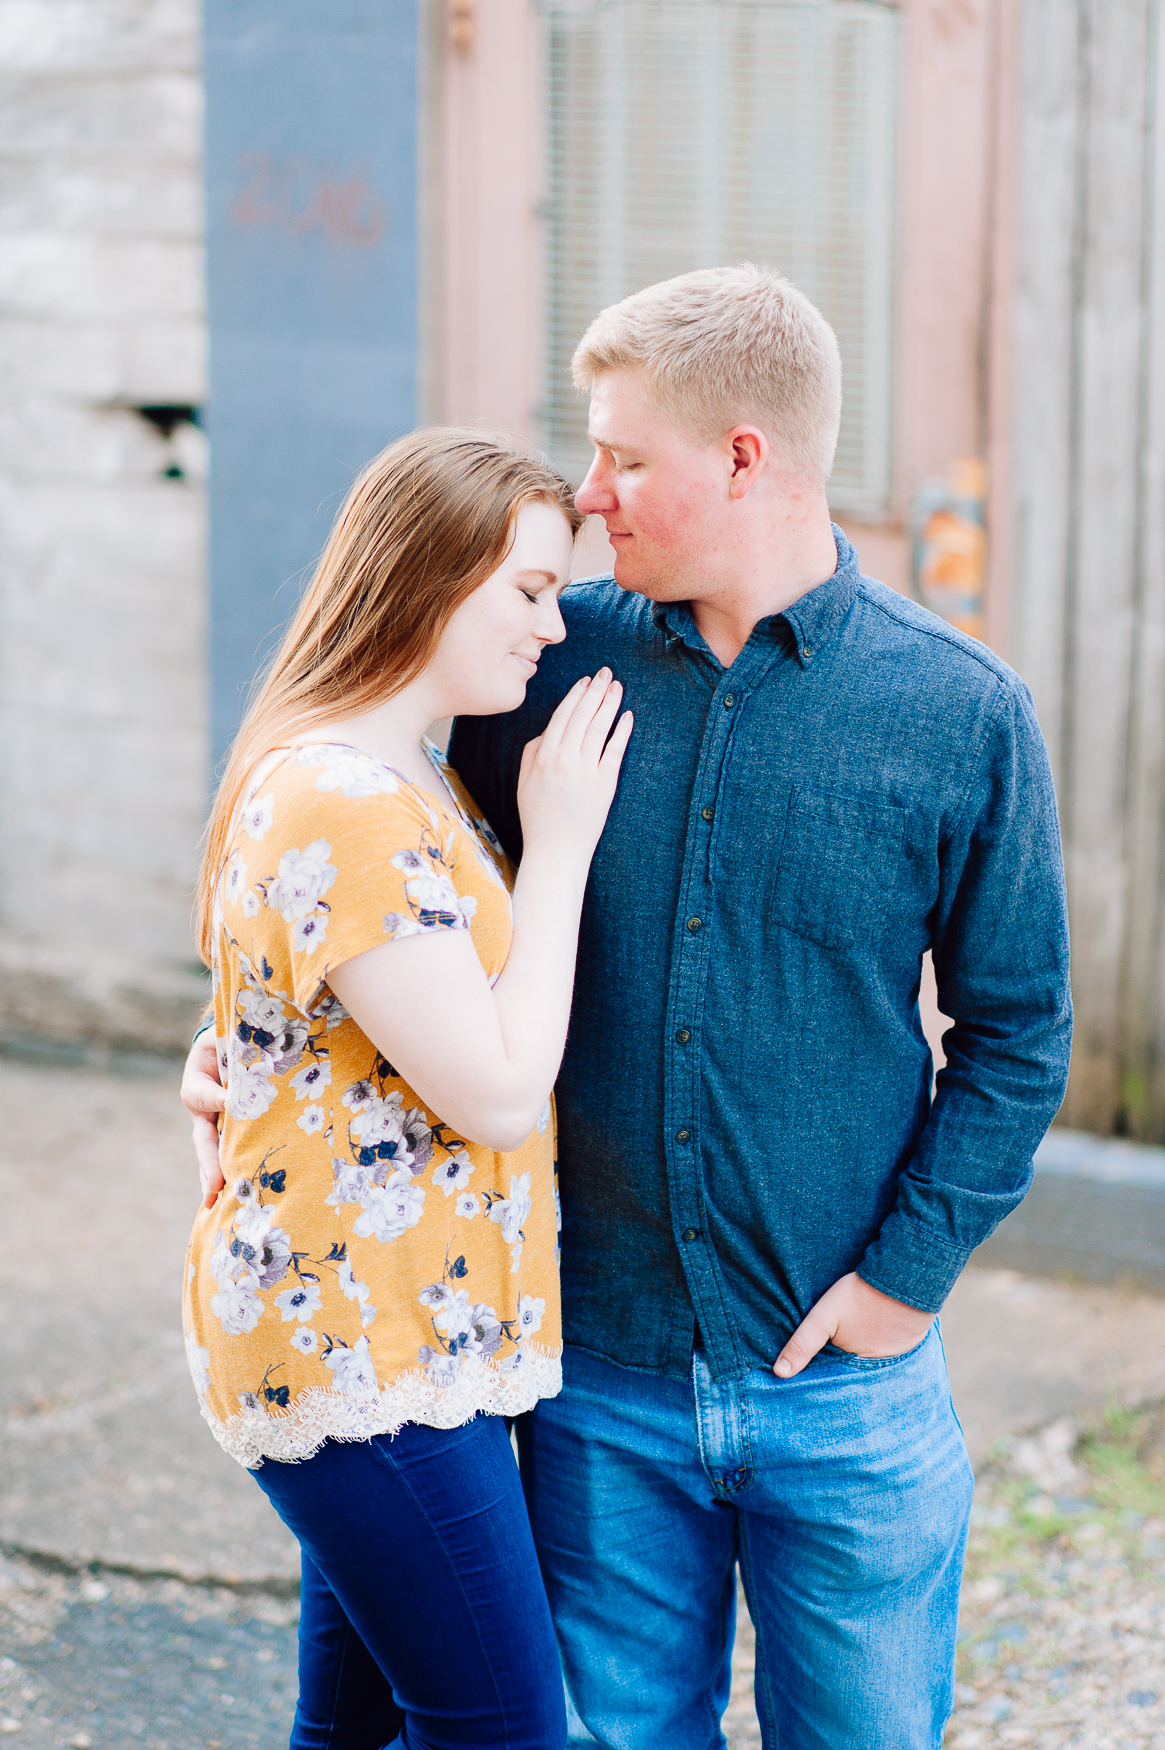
x=365 y=1266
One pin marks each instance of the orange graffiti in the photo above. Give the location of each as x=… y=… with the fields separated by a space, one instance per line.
x=297 y=197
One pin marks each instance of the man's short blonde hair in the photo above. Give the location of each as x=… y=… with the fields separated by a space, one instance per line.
x=726 y=346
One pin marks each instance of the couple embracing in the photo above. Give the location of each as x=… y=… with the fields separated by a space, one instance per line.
x=733 y=795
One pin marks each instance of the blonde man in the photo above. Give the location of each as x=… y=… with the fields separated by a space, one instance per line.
x=825 y=781
x=763 y=1210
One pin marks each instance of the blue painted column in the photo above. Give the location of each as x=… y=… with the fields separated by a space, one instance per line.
x=311 y=182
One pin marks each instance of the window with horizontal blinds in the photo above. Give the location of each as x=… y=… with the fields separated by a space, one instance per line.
x=694 y=133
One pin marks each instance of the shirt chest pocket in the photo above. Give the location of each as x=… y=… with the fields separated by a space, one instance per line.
x=841 y=863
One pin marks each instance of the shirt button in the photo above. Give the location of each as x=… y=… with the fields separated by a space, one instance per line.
x=691 y=1233
x=695 y=924
x=729 y=701
x=682 y=1036
x=707 y=812
x=683 y=1136
x=806 y=650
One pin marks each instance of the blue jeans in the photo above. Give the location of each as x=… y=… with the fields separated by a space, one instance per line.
x=844 y=1495
x=423 y=1621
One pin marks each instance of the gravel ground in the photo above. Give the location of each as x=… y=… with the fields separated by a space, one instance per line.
x=1062 y=1630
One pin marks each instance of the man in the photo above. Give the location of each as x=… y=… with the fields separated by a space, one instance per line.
x=763 y=1211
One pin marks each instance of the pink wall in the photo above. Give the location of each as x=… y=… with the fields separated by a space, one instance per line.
x=952 y=316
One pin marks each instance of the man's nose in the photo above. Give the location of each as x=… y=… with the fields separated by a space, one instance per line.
x=595 y=494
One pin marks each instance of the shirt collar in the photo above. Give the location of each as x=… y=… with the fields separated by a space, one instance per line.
x=811 y=621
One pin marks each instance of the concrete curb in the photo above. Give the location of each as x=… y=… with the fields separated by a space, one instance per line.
x=1095 y=1213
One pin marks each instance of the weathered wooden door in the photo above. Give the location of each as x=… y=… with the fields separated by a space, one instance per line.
x=1088 y=611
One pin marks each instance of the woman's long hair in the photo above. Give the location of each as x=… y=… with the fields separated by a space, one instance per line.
x=427 y=522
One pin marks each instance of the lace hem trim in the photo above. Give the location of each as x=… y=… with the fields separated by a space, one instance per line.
x=298 y=1432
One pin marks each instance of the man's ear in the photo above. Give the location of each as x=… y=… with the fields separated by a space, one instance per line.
x=749 y=451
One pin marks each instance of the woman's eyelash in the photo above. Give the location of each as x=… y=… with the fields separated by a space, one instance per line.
x=532 y=599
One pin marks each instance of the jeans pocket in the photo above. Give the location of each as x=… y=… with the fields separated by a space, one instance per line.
x=872 y=1363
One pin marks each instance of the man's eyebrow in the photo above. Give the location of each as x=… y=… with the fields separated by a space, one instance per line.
x=603 y=443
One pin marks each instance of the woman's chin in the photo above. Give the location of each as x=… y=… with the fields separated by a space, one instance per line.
x=500 y=700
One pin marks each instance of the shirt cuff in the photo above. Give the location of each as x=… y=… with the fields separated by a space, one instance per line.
x=912 y=1264
x=204 y=1026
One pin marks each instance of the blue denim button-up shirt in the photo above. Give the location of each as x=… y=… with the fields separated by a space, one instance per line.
x=744 y=1105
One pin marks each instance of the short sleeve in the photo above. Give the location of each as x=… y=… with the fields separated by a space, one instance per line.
x=344 y=856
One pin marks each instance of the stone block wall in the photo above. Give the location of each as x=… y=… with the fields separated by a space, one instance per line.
x=103 y=773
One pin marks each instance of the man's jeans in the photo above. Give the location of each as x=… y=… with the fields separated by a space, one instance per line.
x=843 y=1493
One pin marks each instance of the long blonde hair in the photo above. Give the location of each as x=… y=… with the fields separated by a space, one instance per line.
x=427 y=522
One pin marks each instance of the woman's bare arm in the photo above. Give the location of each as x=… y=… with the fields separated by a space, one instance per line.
x=485 y=1057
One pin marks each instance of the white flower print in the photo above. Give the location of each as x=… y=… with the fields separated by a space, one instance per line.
x=353 y=1183
x=436 y=1295
x=250 y=1089
x=442 y=1370
x=358 y=1096
x=352 y=1289
x=453 y=1174
x=308 y=933
x=304 y=1339
x=312 y=1120
x=250 y=1403
x=530 y=1313
x=243 y=1191
x=250 y=903
x=388 y=1210
x=228 y=1266
x=301 y=1302
x=258 y=815
x=430 y=891
x=358 y=1291
x=303 y=879
x=352 y=1369
x=198 y=1361
x=352 y=773
x=544 y=1119
x=467 y=1205
x=309 y=1081
x=265 y=1248
x=510 y=1212
x=379 y=1125
x=513 y=1362
x=264 y=1019
x=331 y=1010
x=470 y=1328
x=236 y=876
x=237 y=1308
x=455 y=1315
x=515 y=1258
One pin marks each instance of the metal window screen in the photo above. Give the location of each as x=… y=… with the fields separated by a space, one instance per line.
x=693 y=133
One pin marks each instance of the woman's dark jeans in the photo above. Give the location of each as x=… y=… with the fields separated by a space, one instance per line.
x=424 y=1624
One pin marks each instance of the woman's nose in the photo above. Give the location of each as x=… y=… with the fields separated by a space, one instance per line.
x=551 y=628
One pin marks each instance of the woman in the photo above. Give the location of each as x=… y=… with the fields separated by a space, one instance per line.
x=375 y=1288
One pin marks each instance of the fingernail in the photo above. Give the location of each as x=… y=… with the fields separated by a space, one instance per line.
x=783 y=1369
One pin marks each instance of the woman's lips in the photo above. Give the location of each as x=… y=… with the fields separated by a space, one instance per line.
x=529 y=661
